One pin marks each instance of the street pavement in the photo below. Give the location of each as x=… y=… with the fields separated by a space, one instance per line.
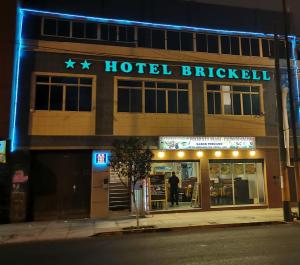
x=72 y=229
x=256 y=245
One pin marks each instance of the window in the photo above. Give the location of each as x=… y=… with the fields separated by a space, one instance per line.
x=173 y=40
x=201 y=42
x=50 y=26
x=186 y=41
x=159 y=96
x=158 y=39
x=129 y=96
x=63 y=93
x=212 y=44
x=233 y=100
x=236 y=182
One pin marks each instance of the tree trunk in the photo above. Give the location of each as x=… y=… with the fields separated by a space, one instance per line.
x=136 y=209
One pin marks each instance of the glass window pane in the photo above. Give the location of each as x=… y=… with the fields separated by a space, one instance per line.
x=201 y=42
x=150 y=84
x=218 y=109
x=255 y=104
x=123 y=100
x=50 y=26
x=42 y=78
x=85 y=98
x=213 y=87
x=245 y=42
x=64 y=80
x=91 y=30
x=265 y=48
x=235 y=46
x=183 y=86
x=166 y=85
x=225 y=44
x=161 y=101
x=158 y=39
x=237 y=104
x=227 y=99
x=112 y=33
x=241 y=184
x=78 y=30
x=172 y=102
x=122 y=33
x=71 y=98
x=56 y=97
x=130 y=34
x=173 y=41
x=129 y=83
x=150 y=101
x=210 y=103
x=135 y=100
x=104 y=32
x=63 y=28
x=213 y=45
x=183 y=102
x=186 y=41
x=246 y=104
x=254 y=47
x=41 y=97
x=86 y=81
x=255 y=89
x=144 y=37
x=241 y=88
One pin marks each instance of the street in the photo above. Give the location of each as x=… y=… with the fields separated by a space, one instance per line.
x=275 y=244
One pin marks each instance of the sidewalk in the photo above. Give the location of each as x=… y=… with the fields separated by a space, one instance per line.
x=54 y=230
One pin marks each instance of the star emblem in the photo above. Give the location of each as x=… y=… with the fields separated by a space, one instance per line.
x=70 y=64
x=85 y=65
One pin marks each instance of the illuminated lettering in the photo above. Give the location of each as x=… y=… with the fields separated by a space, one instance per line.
x=255 y=76
x=221 y=73
x=265 y=76
x=199 y=71
x=153 y=69
x=166 y=70
x=111 y=66
x=232 y=74
x=126 y=67
x=245 y=74
x=141 y=67
x=186 y=70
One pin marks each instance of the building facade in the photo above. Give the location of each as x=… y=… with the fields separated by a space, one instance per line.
x=203 y=98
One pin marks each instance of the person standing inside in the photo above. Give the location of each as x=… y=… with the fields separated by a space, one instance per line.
x=173 y=181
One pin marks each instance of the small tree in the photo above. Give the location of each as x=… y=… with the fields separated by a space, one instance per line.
x=132 y=163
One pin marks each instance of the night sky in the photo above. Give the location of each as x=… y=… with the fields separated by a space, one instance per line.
x=276 y=5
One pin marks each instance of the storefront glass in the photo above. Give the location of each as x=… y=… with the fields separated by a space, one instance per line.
x=188 y=174
x=236 y=182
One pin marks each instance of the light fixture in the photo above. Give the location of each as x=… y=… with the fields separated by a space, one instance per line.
x=180 y=154
x=235 y=153
x=218 y=153
x=252 y=153
x=161 y=154
x=200 y=153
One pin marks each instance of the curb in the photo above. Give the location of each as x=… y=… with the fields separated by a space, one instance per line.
x=182 y=228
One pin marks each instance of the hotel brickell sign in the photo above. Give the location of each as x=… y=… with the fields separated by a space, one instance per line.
x=187 y=71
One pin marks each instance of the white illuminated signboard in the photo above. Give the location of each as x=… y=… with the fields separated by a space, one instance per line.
x=194 y=143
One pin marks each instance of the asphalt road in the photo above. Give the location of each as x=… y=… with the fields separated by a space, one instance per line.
x=275 y=244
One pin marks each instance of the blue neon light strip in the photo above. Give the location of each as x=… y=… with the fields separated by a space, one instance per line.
x=296 y=81
x=146 y=24
x=15 y=90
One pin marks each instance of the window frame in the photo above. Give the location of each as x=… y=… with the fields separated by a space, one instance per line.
x=232 y=84
x=64 y=85
x=158 y=80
